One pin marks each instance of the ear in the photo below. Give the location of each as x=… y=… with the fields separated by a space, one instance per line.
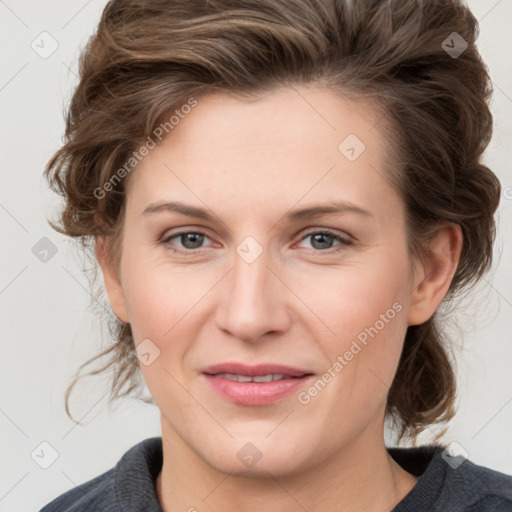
x=432 y=277
x=111 y=278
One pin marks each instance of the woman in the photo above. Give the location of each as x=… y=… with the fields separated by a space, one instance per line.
x=280 y=195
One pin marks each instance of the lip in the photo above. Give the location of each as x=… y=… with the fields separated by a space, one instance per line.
x=255 y=393
x=255 y=370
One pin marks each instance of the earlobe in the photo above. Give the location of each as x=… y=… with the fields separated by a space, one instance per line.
x=434 y=275
x=111 y=279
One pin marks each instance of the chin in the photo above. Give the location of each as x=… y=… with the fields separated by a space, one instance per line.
x=257 y=457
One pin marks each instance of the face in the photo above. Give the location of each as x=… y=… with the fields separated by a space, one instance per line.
x=255 y=273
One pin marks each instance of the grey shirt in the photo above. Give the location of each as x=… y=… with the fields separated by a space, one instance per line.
x=444 y=485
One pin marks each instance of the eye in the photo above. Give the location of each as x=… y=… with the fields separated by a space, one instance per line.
x=187 y=240
x=322 y=241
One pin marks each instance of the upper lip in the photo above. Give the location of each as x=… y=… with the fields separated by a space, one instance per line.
x=255 y=370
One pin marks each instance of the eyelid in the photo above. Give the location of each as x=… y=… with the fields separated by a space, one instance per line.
x=328 y=231
x=166 y=236
x=344 y=241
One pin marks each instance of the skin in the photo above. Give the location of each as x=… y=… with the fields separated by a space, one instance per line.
x=249 y=163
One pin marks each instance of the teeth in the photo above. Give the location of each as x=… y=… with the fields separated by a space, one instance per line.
x=267 y=378
x=257 y=378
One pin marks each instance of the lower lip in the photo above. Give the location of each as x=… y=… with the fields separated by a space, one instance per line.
x=255 y=393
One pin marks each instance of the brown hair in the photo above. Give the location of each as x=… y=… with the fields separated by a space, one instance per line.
x=151 y=57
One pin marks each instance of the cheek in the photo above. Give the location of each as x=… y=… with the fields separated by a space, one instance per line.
x=351 y=301
x=160 y=297
x=366 y=309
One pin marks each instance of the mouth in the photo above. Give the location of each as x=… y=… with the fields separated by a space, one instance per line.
x=271 y=377
x=255 y=385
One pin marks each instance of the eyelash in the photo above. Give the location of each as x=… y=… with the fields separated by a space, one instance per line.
x=343 y=242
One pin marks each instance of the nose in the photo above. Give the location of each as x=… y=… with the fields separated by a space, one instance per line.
x=254 y=300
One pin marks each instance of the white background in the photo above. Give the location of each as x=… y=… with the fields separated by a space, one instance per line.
x=48 y=331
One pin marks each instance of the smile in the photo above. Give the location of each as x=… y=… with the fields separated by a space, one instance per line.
x=258 y=385
x=257 y=378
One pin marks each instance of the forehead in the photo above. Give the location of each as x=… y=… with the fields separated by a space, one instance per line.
x=274 y=149
x=284 y=116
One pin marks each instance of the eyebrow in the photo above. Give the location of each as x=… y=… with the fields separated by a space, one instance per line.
x=296 y=215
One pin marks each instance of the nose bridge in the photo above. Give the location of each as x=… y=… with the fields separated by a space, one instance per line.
x=252 y=303
x=250 y=278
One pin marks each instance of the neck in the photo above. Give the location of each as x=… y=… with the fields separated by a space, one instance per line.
x=360 y=477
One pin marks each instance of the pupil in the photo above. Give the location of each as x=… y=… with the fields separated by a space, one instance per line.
x=322 y=238
x=195 y=238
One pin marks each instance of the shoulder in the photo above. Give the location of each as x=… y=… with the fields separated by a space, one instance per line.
x=87 y=496
x=451 y=483
x=484 y=489
x=131 y=482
